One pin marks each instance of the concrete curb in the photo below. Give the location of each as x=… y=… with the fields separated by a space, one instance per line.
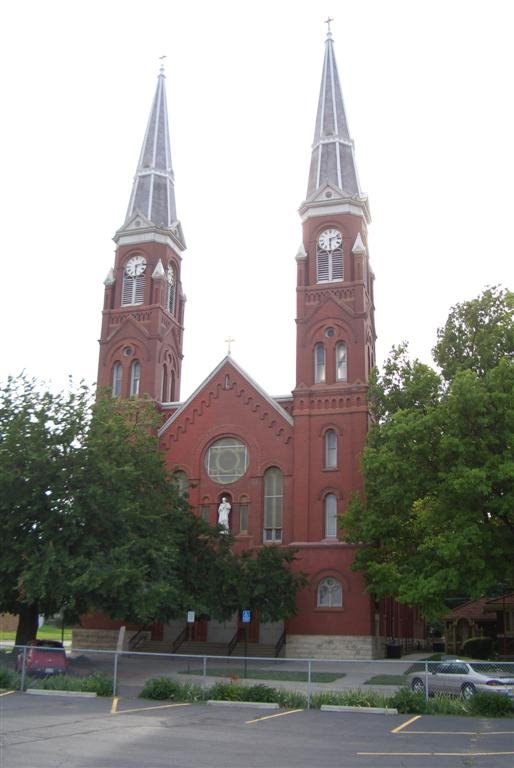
x=364 y=710
x=43 y=692
x=255 y=704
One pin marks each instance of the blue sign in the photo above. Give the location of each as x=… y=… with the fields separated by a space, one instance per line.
x=245 y=617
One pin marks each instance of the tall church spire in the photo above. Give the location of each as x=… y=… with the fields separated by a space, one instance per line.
x=332 y=161
x=153 y=191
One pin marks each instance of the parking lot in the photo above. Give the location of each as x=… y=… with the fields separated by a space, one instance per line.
x=53 y=731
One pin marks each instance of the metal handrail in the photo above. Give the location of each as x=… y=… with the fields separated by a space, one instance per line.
x=179 y=640
x=138 y=638
x=234 y=642
x=280 y=643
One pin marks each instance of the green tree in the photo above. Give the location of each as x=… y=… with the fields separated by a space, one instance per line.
x=91 y=519
x=40 y=433
x=437 y=516
x=477 y=335
x=266 y=583
x=142 y=554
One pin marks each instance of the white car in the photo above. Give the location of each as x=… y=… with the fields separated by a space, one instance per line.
x=464 y=678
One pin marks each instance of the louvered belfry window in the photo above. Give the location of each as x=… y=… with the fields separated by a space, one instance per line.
x=329 y=265
x=170 y=277
x=133 y=289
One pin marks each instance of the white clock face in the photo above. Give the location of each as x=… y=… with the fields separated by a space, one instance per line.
x=135 y=266
x=330 y=239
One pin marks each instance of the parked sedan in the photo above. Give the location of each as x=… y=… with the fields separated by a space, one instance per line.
x=463 y=678
x=43 y=657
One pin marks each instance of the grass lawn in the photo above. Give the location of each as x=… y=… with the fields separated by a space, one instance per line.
x=46 y=632
x=386 y=680
x=296 y=676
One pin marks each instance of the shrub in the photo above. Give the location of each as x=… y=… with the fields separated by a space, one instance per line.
x=490 y=705
x=350 y=698
x=478 y=647
x=408 y=702
x=227 y=692
x=98 y=683
x=261 y=692
x=55 y=683
x=9 y=679
x=165 y=688
x=291 y=699
x=444 y=704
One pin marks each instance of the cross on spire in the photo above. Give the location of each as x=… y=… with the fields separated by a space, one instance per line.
x=327 y=22
x=161 y=59
x=229 y=340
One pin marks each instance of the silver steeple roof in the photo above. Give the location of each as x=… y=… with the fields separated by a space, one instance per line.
x=332 y=160
x=153 y=191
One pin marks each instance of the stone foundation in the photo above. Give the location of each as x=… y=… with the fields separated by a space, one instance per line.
x=100 y=639
x=334 y=647
x=8 y=622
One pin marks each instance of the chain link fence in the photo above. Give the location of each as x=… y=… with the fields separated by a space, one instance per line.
x=125 y=673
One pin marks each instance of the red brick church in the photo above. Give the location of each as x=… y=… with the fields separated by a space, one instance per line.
x=287 y=466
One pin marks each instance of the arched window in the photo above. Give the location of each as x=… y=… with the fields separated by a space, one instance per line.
x=319 y=363
x=170 y=298
x=330 y=449
x=330 y=515
x=330 y=594
x=180 y=480
x=117 y=373
x=135 y=378
x=341 y=362
x=172 y=386
x=273 y=494
x=243 y=515
x=164 y=384
x=133 y=288
x=329 y=256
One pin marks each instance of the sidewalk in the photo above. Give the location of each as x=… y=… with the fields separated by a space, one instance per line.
x=135 y=670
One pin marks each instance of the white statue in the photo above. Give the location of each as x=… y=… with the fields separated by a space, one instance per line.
x=223 y=512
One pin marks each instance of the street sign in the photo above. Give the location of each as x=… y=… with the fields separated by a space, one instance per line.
x=190 y=617
x=246 y=617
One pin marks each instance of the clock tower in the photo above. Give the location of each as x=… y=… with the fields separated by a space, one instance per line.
x=142 y=322
x=335 y=351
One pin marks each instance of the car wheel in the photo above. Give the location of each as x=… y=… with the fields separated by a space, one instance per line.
x=417 y=685
x=467 y=691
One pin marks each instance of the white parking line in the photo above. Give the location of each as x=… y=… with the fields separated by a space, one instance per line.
x=268 y=717
x=145 y=709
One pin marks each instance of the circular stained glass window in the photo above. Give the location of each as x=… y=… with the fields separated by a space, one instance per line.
x=226 y=460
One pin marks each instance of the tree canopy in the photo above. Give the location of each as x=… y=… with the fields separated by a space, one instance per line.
x=90 y=518
x=437 y=514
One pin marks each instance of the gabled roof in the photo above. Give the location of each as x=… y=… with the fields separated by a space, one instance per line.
x=471 y=610
x=227 y=360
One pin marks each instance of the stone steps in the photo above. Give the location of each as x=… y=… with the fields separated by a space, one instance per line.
x=207 y=649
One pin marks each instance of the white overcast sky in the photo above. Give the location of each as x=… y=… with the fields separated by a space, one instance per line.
x=428 y=88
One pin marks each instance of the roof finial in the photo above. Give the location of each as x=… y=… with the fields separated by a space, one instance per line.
x=229 y=341
x=327 y=22
x=161 y=69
